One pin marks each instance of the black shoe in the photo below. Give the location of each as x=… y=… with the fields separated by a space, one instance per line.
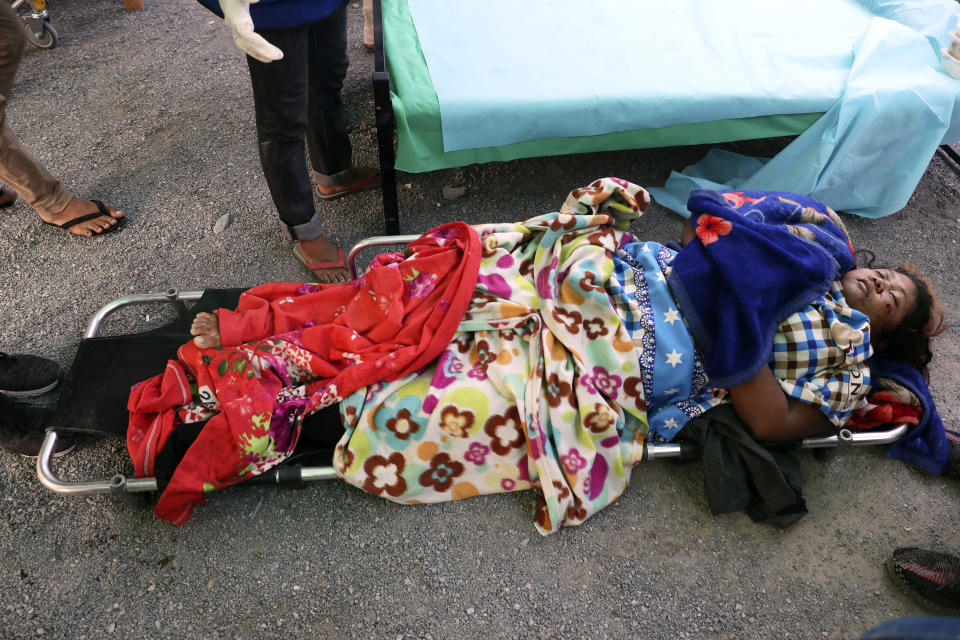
x=929 y=577
x=23 y=429
x=952 y=470
x=23 y=375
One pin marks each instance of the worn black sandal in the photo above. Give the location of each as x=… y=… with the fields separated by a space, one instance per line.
x=101 y=211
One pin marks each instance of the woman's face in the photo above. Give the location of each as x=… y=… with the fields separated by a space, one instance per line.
x=884 y=295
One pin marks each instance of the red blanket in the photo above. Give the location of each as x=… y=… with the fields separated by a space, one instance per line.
x=290 y=349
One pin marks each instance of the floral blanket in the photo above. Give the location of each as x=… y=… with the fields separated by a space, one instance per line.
x=541 y=387
x=290 y=349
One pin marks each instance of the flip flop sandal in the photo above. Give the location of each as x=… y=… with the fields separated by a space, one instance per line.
x=372 y=182
x=101 y=211
x=5 y=205
x=339 y=263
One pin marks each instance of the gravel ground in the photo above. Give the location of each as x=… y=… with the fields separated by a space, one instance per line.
x=152 y=111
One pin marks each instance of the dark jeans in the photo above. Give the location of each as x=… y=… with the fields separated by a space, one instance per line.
x=299 y=96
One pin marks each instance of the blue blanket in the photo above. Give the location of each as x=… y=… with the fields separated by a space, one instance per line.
x=925 y=446
x=730 y=283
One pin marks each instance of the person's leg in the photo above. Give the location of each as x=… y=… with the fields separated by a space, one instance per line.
x=368 y=24
x=280 y=103
x=18 y=168
x=327 y=61
x=22 y=425
x=330 y=151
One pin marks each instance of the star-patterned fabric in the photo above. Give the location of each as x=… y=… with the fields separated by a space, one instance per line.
x=674 y=381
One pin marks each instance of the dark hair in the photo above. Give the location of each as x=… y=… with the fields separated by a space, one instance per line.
x=910 y=340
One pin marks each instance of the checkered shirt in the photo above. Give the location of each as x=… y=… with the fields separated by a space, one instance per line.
x=820 y=353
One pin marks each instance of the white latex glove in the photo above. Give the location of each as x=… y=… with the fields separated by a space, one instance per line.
x=236 y=13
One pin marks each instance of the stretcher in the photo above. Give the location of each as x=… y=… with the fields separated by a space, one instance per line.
x=91 y=402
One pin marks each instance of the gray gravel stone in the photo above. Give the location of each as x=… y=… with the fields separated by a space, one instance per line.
x=152 y=111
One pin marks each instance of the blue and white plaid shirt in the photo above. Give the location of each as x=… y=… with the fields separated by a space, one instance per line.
x=819 y=353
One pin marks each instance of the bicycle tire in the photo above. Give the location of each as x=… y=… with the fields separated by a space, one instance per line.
x=48 y=38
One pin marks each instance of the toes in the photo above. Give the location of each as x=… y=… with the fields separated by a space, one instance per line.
x=200 y=324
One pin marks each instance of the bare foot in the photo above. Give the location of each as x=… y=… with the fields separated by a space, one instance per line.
x=206 y=328
x=322 y=251
x=77 y=208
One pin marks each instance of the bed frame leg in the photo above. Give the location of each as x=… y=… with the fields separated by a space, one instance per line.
x=386 y=124
x=951 y=153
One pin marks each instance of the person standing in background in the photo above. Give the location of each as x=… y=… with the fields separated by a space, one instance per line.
x=28 y=178
x=297 y=56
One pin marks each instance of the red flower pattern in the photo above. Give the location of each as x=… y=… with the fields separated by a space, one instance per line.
x=456 y=423
x=595 y=327
x=710 y=228
x=633 y=387
x=588 y=282
x=571 y=320
x=600 y=419
x=402 y=426
x=441 y=473
x=556 y=390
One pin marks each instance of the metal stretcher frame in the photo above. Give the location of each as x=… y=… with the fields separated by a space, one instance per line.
x=295 y=474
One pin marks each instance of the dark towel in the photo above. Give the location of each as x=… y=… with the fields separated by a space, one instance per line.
x=747 y=273
x=740 y=474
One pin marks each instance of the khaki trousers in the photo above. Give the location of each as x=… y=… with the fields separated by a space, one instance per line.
x=18 y=168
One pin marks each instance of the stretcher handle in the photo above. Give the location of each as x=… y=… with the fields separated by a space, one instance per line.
x=375 y=241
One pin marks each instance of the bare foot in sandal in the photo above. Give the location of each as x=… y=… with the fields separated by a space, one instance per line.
x=206 y=328
x=87 y=218
x=325 y=259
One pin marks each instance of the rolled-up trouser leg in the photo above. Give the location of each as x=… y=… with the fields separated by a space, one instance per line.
x=18 y=167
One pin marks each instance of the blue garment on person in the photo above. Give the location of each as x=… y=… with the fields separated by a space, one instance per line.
x=924 y=446
x=282 y=14
x=731 y=289
x=675 y=386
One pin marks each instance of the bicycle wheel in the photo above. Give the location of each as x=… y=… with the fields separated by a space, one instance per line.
x=43 y=35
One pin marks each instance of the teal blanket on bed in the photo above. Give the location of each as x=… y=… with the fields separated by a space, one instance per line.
x=867 y=154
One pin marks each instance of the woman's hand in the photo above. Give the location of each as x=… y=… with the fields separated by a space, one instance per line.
x=771 y=415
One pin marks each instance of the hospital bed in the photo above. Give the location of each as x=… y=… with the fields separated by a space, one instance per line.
x=410 y=111
x=94 y=394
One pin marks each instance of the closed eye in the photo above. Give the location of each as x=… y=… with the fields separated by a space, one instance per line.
x=887 y=275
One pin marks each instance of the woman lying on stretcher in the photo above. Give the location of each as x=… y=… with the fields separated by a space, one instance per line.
x=901 y=316
x=539 y=355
